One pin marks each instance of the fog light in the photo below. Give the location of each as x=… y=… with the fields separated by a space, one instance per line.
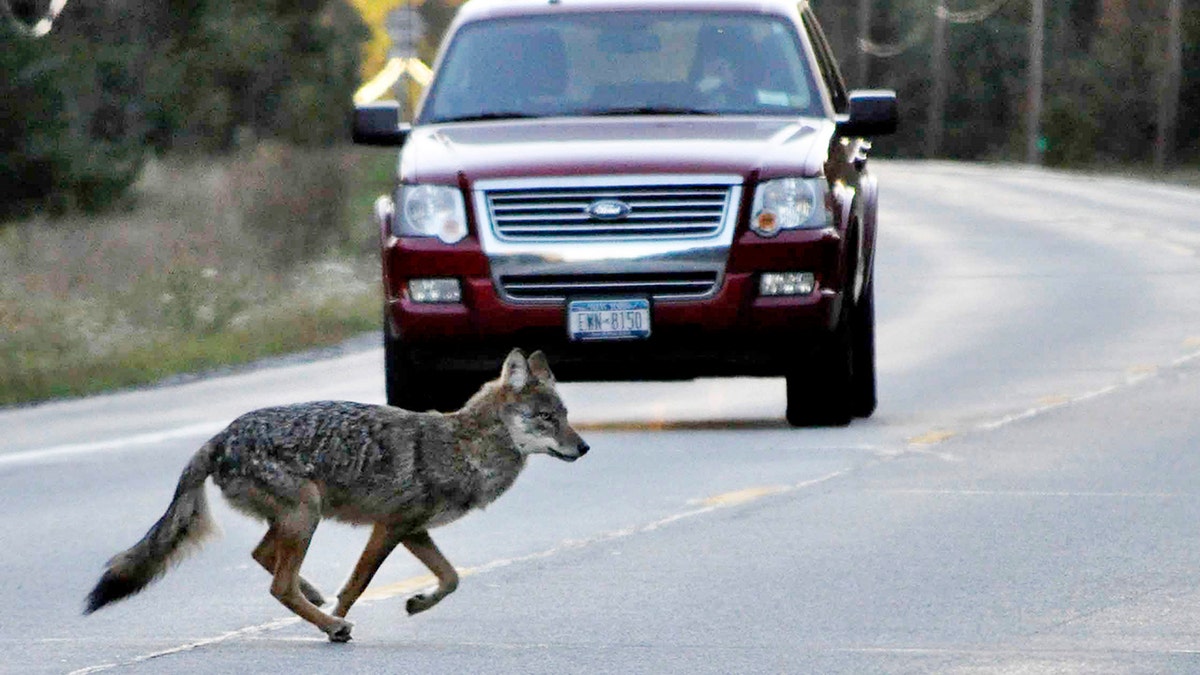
x=787 y=283
x=434 y=290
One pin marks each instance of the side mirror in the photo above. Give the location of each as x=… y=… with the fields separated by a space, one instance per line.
x=872 y=113
x=379 y=124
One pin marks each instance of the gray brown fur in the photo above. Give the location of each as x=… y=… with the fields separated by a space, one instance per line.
x=402 y=472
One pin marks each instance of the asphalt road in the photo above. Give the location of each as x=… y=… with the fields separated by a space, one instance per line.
x=1024 y=501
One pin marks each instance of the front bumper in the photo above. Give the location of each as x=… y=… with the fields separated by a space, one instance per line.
x=734 y=332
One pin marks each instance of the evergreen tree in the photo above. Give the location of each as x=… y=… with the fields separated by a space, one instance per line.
x=116 y=79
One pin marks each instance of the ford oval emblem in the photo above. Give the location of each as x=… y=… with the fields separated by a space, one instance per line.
x=608 y=209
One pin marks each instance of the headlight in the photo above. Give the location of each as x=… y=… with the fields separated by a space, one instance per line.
x=787 y=204
x=430 y=211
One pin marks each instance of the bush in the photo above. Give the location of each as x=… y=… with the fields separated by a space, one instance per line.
x=56 y=153
x=186 y=280
x=81 y=108
x=293 y=200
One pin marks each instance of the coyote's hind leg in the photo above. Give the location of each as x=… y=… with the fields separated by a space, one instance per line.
x=264 y=554
x=294 y=530
x=421 y=545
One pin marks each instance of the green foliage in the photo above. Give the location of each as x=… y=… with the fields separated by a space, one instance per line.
x=1104 y=64
x=56 y=153
x=81 y=108
x=259 y=70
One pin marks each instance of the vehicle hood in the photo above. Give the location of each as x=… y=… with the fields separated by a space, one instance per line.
x=749 y=147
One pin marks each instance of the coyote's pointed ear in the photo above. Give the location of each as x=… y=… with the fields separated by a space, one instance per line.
x=515 y=374
x=539 y=367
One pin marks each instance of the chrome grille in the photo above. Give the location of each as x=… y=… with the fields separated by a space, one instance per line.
x=676 y=211
x=667 y=285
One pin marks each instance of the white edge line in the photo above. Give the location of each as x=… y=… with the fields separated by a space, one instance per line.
x=249 y=630
x=403 y=586
x=71 y=449
x=1185 y=359
x=1038 y=410
x=1036 y=493
x=655 y=525
x=1086 y=396
x=54 y=452
x=1001 y=651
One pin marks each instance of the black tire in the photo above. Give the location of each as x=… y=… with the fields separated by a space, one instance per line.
x=840 y=382
x=822 y=391
x=454 y=392
x=820 y=395
x=412 y=388
x=864 y=397
x=400 y=377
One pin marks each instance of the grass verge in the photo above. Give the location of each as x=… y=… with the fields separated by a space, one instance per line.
x=148 y=362
x=205 y=272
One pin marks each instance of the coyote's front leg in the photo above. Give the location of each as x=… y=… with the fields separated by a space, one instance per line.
x=382 y=542
x=421 y=545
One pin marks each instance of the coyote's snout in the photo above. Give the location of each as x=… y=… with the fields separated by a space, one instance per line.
x=402 y=472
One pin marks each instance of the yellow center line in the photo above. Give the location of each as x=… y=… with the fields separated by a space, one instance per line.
x=410 y=585
x=663 y=424
x=932 y=438
x=708 y=505
x=743 y=496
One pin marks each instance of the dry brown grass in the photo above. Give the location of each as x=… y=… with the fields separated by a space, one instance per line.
x=217 y=264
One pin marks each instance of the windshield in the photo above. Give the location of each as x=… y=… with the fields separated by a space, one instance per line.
x=622 y=63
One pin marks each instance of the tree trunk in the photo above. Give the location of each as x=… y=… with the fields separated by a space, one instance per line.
x=864 y=33
x=1168 y=100
x=935 y=124
x=1033 y=123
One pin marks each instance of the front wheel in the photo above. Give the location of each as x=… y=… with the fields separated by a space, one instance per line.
x=820 y=394
x=863 y=382
x=412 y=388
x=839 y=383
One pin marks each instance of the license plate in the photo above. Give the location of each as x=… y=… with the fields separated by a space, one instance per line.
x=608 y=319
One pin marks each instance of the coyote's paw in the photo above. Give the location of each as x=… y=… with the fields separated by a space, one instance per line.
x=339 y=630
x=420 y=603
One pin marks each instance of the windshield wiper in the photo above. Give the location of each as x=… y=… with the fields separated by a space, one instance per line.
x=485 y=116
x=647 y=110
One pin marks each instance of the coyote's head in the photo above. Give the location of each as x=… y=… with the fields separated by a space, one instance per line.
x=532 y=410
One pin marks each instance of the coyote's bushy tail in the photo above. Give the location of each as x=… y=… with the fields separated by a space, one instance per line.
x=183 y=527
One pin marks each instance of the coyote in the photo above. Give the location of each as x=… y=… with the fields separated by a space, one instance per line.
x=402 y=472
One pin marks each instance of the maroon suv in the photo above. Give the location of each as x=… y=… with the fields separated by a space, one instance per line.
x=644 y=189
